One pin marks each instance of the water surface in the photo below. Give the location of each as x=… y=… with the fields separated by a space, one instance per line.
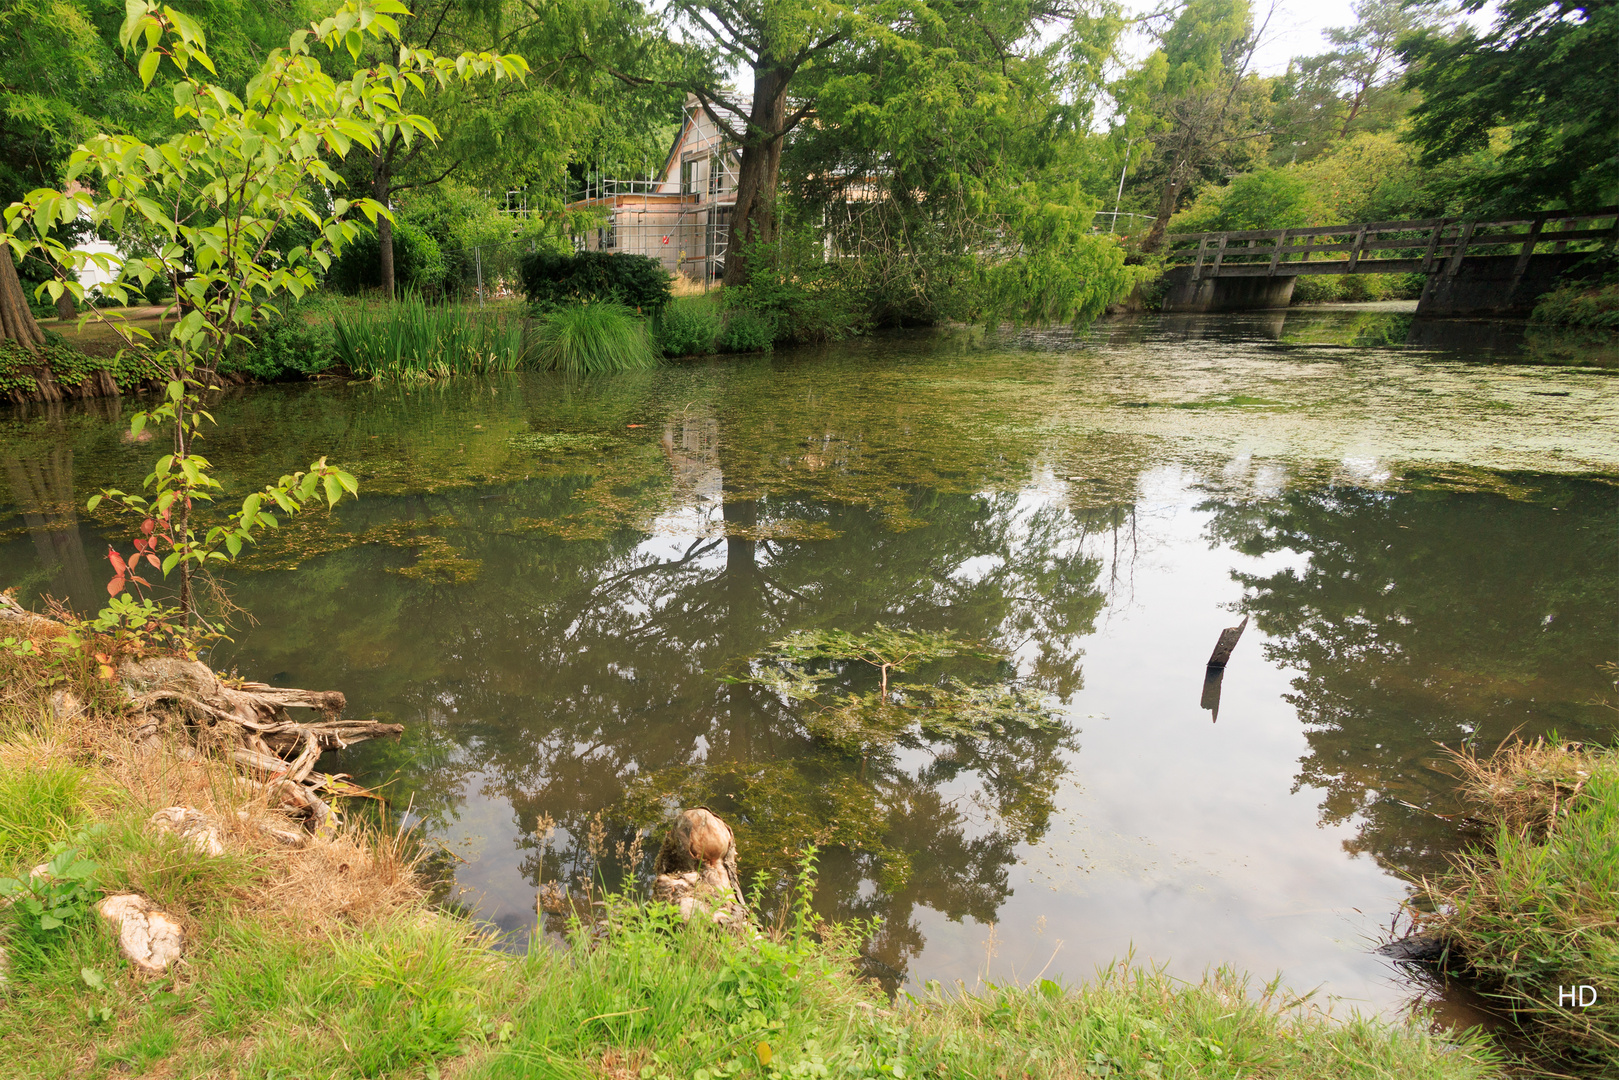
x=544 y=580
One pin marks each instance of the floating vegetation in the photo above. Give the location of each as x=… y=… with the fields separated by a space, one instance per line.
x=555 y=442
x=814 y=668
x=1234 y=401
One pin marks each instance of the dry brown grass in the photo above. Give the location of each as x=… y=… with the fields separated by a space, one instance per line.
x=1525 y=785
x=685 y=286
x=345 y=880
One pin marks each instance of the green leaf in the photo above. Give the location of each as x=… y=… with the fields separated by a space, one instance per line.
x=49 y=922
x=334 y=490
x=148 y=66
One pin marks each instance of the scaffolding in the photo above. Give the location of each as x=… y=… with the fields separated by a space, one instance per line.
x=682 y=218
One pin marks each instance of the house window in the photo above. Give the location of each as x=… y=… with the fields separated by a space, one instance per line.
x=716 y=174
x=688 y=177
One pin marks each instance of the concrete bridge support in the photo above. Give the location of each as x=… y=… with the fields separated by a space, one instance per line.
x=1207 y=294
x=1495 y=284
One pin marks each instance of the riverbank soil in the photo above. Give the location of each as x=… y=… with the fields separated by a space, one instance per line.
x=1529 y=911
x=324 y=958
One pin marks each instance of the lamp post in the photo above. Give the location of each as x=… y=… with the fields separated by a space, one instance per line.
x=1120 y=196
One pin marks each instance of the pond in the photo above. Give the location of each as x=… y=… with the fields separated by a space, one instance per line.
x=546 y=581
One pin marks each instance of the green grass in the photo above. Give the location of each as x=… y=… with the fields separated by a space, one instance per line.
x=596 y=338
x=411 y=338
x=38 y=805
x=267 y=990
x=1533 y=909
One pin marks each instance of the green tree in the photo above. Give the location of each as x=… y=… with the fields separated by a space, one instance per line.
x=495 y=133
x=66 y=78
x=952 y=168
x=1209 y=115
x=1264 y=199
x=1355 y=86
x=1544 y=71
x=215 y=194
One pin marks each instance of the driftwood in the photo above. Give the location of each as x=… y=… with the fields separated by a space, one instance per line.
x=249 y=721
x=696 y=868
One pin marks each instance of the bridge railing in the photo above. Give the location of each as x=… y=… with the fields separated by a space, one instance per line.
x=1433 y=245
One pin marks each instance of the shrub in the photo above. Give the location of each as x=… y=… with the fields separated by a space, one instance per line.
x=419 y=264
x=636 y=281
x=688 y=327
x=589 y=339
x=748 y=330
x=297 y=344
x=1580 y=304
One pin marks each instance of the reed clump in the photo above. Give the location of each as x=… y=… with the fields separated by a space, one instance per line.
x=413 y=339
x=1533 y=911
x=594 y=338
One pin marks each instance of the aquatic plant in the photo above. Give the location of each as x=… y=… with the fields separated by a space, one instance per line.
x=591 y=339
x=411 y=338
x=808 y=666
x=748 y=330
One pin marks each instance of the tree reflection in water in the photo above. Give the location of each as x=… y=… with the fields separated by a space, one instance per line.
x=579 y=675
x=1426 y=617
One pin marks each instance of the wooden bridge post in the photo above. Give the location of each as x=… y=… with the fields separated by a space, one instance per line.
x=1524 y=254
x=1197 y=269
x=1219 y=254
x=1455 y=264
x=1354 y=252
x=1309 y=242
x=1439 y=227
x=1276 y=253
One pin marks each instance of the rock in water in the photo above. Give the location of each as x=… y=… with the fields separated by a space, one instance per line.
x=149 y=938
x=696 y=868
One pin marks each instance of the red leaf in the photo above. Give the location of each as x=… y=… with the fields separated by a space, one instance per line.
x=147 y=526
x=140 y=581
x=117 y=561
x=153 y=560
x=115 y=586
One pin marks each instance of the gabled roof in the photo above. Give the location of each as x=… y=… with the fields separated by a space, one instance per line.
x=688 y=114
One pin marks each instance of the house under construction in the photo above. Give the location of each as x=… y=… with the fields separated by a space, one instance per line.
x=683 y=217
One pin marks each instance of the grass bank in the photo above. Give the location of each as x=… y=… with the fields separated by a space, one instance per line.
x=1531 y=913
x=327 y=960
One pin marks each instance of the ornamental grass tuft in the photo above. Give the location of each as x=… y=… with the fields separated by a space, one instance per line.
x=412 y=339
x=594 y=339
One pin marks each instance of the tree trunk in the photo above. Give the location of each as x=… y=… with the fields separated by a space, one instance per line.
x=381 y=180
x=1166 y=209
x=753 y=220
x=16 y=320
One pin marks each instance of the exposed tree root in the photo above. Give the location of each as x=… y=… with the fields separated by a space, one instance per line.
x=249 y=722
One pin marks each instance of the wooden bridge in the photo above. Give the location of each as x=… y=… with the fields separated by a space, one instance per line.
x=1473 y=267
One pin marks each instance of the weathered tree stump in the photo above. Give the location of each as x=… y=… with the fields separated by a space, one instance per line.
x=146 y=936
x=696 y=869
